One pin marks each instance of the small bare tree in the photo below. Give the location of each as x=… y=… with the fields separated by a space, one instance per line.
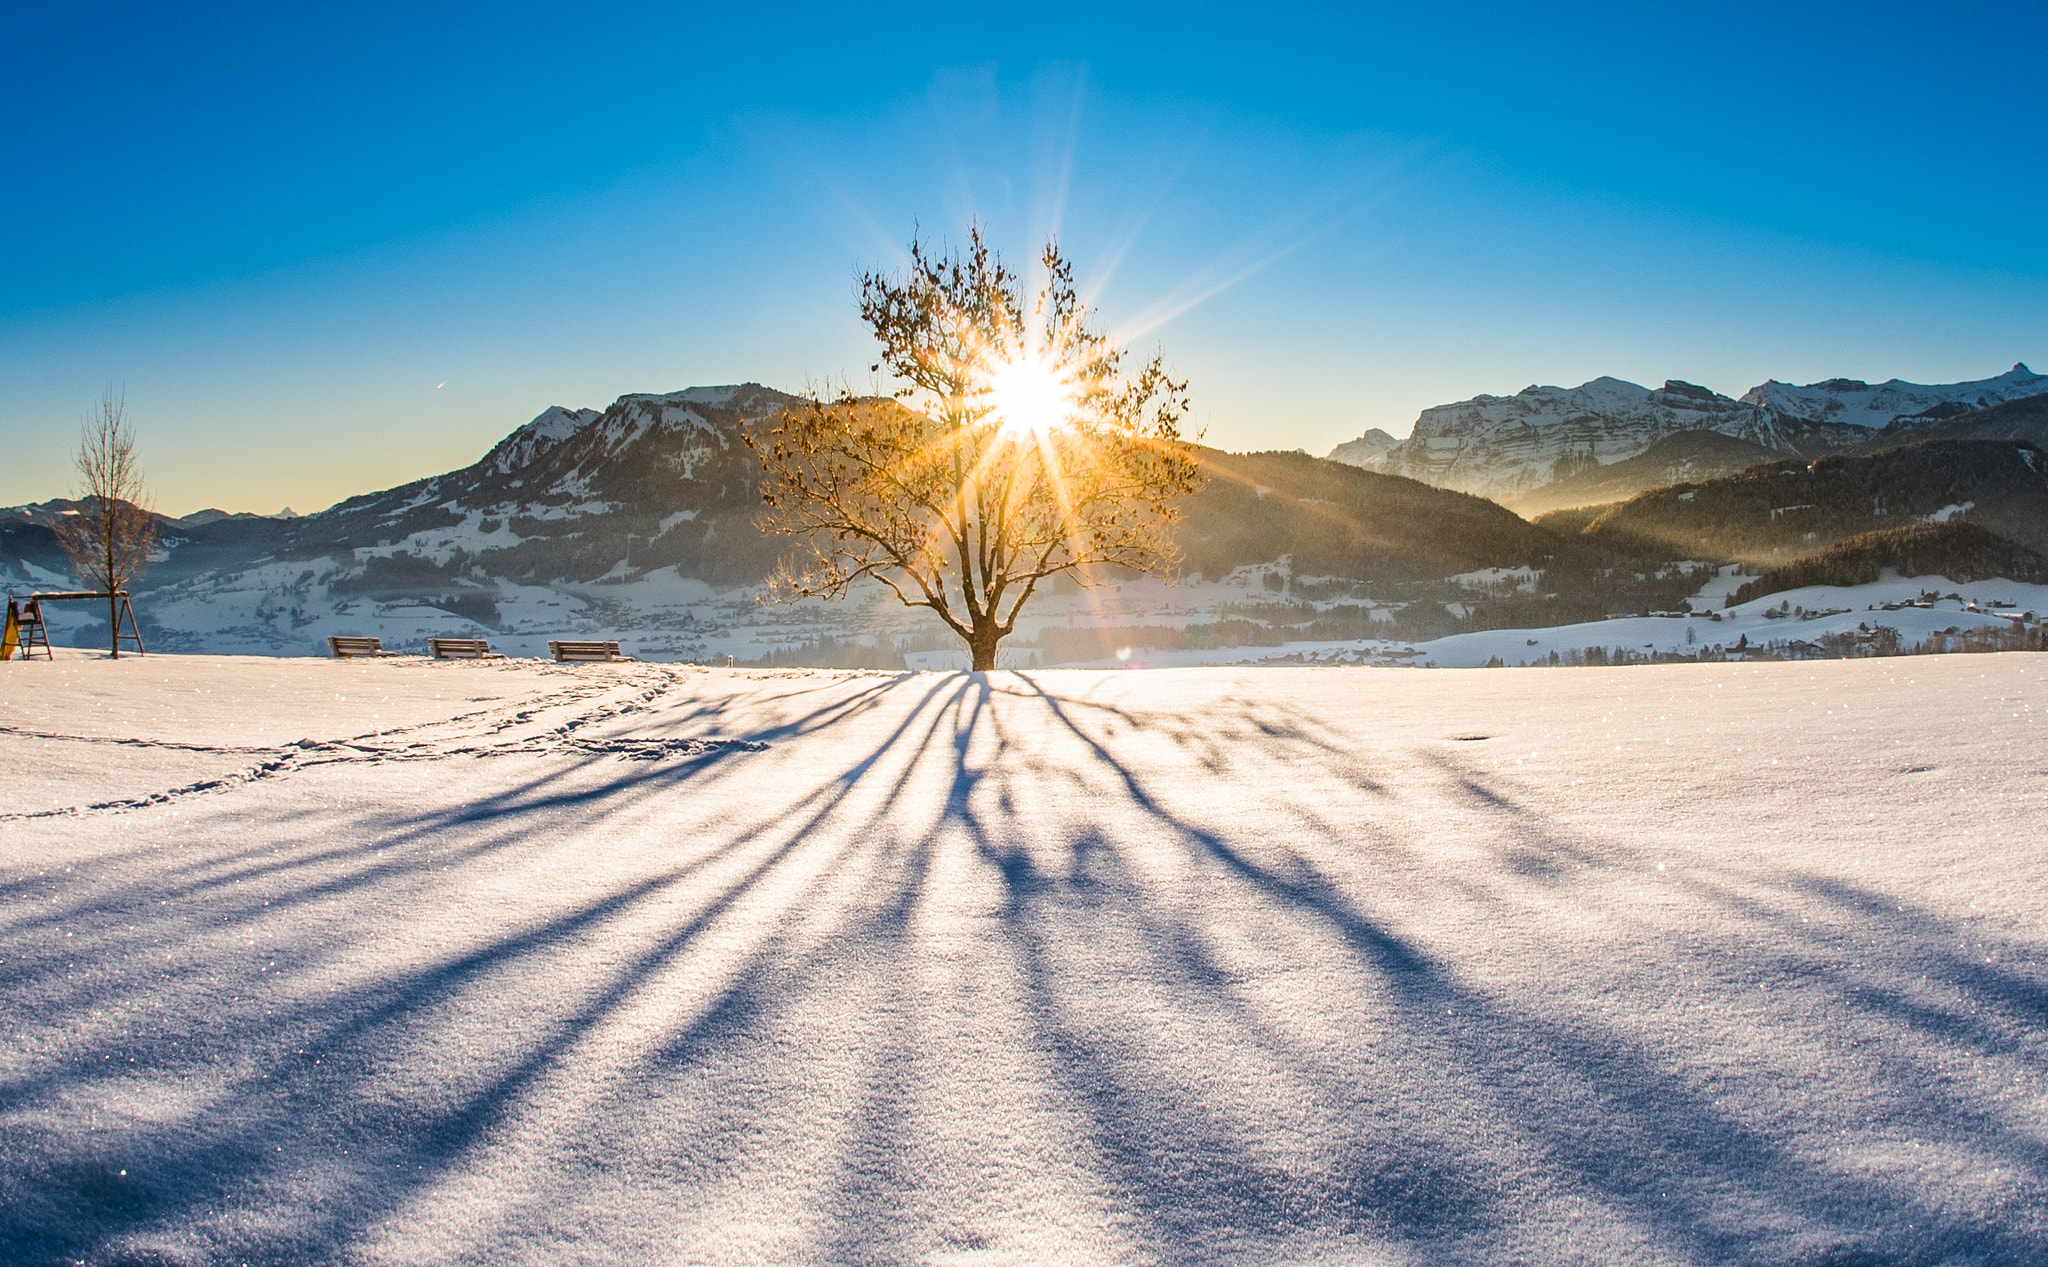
x=1017 y=449
x=108 y=541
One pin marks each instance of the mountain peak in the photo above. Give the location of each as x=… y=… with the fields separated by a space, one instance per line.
x=713 y=395
x=548 y=429
x=1366 y=450
x=1676 y=391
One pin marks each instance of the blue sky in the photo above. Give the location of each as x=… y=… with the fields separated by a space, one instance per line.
x=326 y=253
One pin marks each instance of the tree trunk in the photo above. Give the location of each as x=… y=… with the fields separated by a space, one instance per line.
x=981 y=647
x=113 y=624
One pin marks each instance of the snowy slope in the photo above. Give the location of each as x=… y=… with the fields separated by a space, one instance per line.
x=403 y=962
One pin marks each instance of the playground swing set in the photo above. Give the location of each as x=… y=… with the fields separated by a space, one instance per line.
x=25 y=630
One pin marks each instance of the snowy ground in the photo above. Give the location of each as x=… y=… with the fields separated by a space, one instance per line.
x=411 y=962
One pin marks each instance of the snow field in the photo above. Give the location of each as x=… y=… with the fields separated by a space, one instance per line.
x=528 y=963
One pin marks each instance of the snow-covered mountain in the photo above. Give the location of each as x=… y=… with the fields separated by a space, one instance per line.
x=1366 y=450
x=1874 y=405
x=1500 y=446
x=578 y=494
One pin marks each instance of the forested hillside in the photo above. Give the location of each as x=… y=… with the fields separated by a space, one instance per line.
x=1777 y=512
x=1961 y=552
x=2024 y=419
x=1338 y=520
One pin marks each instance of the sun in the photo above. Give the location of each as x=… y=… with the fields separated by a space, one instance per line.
x=1030 y=398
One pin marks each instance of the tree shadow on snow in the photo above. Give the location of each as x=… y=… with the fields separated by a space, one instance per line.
x=1612 y=1116
x=1260 y=1060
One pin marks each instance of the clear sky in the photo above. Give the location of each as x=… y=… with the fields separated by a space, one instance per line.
x=327 y=252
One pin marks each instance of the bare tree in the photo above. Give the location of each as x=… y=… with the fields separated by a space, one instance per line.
x=1017 y=449
x=108 y=541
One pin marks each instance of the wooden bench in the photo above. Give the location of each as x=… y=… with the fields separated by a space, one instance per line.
x=462 y=649
x=350 y=648
x=586 y=652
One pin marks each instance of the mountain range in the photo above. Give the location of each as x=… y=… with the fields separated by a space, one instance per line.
x=642 y=514
x=640 y=518
x=1520 y=448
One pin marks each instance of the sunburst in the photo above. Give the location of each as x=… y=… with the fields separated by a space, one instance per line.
x=1030 y=396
